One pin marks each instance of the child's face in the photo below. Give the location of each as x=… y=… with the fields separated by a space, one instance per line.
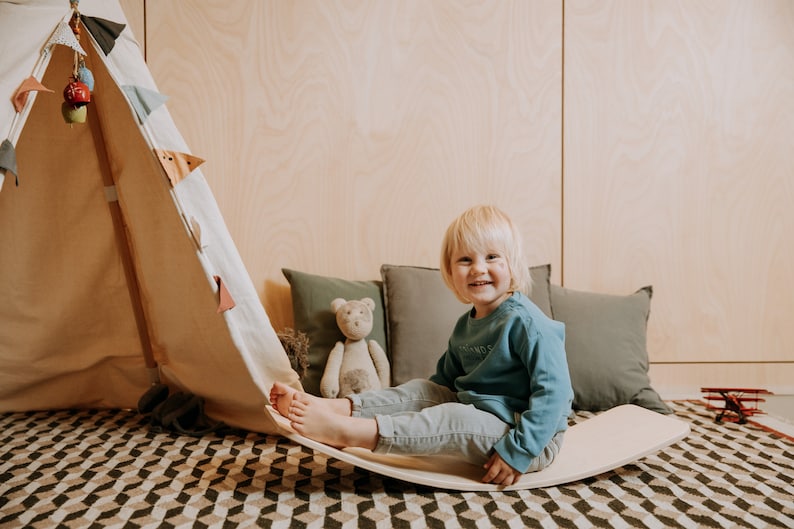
x=482 y=277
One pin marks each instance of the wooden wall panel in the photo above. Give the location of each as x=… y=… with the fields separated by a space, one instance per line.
x=134 y=11
x=679 y=119
x=343 y=135
x=677 y=380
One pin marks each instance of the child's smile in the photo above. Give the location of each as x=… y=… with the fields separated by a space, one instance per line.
x=483 y=278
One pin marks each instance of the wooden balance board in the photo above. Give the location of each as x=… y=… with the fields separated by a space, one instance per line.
x=604 y=442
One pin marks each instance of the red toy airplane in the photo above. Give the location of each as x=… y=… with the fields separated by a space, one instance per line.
x=738 y=403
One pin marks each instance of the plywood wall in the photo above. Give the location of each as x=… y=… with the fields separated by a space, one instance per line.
x=135 y=12
x=679 y=172
x=635 y=142
x=343 y=135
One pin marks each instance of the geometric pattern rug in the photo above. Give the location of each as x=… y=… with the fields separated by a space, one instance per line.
x=105 y=468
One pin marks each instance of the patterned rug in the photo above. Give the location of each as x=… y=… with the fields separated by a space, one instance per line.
x=106 y=469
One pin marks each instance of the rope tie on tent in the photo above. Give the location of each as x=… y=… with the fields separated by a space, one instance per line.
x=77 y=93
x=110 y=194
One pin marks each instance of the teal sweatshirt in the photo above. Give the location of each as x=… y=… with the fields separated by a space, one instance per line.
x=512 y=363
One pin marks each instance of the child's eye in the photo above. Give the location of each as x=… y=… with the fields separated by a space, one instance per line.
x=464 y=260
x=492 y=256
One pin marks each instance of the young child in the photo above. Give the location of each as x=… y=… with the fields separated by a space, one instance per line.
x=501 y=394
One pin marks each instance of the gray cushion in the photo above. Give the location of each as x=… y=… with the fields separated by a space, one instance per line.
x=605 y=340
x=421 y=313
x=311 y=310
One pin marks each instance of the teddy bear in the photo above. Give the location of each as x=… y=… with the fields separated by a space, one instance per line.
x=357 y=364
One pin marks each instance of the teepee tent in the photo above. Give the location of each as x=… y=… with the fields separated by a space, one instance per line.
x=116 y=268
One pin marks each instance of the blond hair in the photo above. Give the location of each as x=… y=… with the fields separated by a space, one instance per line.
x=485 y=229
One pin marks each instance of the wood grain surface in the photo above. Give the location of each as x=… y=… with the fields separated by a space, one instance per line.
x=343 y=135
x=135 y=12
x=635 y=142
x=679 y=169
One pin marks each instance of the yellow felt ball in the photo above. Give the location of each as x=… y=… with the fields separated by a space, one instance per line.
x=73 y=114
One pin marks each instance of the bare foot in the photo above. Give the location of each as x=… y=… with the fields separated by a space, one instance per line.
x=325 y=420
x=281 y=397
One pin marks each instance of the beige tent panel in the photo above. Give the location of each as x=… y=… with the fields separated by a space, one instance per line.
x=68 y=331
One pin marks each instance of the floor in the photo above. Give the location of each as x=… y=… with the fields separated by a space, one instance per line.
x=107 y=468
x=779 y=413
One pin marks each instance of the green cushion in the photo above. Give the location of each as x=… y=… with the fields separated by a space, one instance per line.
x=605 y=340
x=311 y=310
x=421 y=313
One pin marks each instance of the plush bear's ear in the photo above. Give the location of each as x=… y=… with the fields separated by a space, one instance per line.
x=369 y=303
x=337 y=304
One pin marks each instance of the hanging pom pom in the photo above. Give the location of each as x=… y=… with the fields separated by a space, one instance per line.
x=84 y=75
x=77 y=94
x=73 y=114
x=74 y=23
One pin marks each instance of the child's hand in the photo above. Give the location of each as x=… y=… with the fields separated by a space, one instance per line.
x=499 y=472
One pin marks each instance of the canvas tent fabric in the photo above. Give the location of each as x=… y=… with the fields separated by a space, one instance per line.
x=75 y=200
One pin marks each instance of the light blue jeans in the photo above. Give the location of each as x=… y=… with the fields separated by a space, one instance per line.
x=421 y=417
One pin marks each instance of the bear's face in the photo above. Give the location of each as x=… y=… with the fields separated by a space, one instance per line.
x=354 y=319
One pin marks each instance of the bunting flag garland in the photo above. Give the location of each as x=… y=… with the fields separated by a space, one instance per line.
x=225 y=301
x=177 y=165
x=64 y=36
x=105 y=32
x=143 y=100
x=8 y=160
x=28 y=85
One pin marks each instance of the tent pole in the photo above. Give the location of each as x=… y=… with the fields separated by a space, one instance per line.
x=126 y=250
x=133 y=286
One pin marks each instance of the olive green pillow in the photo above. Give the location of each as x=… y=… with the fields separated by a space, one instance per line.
x=311 y=309
x=605 y=340
x=421 y=312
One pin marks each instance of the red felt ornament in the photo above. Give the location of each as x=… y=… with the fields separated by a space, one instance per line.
x=77 y=94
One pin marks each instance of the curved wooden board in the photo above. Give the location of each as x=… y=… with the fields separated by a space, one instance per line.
x=607 y=441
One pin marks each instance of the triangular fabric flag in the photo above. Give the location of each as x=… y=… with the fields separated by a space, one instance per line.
x=143 y=100
x=64 y=36
x=8 y=159
x=28 y=85
x=105 y=32
x=225 y=301
x=177 y=165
